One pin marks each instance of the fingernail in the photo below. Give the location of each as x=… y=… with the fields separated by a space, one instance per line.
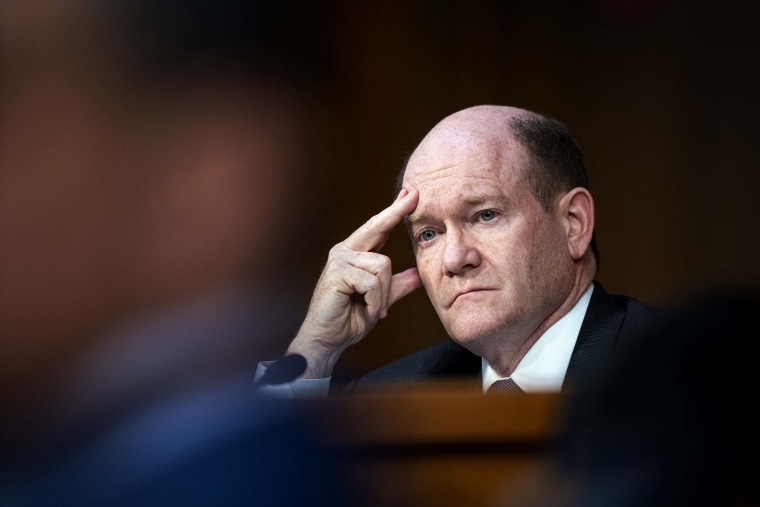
x=403 y=193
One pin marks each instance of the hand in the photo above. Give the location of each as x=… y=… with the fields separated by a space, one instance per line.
x=355 y=290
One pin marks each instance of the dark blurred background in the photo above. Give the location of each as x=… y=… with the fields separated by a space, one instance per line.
x=661 y=96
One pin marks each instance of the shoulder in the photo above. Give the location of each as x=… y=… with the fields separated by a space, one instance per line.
x=610 y=320
x=626 y=312
x=601 y=298
x=183 y=449
x=446 y=359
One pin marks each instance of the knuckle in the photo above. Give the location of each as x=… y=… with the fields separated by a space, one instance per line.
x=371 y=223
x=336 y=250
x=385 y=263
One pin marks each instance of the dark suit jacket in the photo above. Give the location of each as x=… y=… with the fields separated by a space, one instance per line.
x=610 y=319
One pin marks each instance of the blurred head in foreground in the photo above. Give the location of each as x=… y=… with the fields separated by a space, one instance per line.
x=669 y=423
x=128 y=187
x=141 y=219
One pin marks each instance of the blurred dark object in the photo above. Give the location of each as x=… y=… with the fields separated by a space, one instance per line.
x=438 y=443
x=214 y=446
x=669 y=423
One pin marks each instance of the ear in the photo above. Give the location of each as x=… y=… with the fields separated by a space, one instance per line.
x=577 y=210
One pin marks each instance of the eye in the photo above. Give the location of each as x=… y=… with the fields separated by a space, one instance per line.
x=487 y=215
x=426 y=235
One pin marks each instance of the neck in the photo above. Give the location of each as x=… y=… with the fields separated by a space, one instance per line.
x=509 y=353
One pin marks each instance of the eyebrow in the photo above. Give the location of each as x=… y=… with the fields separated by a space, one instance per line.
x=413 y=218
x=471 y=200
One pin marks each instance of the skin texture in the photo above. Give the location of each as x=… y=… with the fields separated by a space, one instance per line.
x=498 y=267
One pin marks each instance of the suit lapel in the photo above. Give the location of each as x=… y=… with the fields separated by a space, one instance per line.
x=597 y=335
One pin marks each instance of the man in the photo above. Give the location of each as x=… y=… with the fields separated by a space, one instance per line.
x=497 y=203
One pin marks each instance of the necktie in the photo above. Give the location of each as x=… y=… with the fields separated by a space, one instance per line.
x=504 y=386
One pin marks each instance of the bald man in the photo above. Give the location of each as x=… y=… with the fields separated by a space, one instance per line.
x=497 y=203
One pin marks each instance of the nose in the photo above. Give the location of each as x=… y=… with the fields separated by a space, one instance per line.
x=459 y=253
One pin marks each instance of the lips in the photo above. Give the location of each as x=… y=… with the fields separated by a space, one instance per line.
x=463 y=293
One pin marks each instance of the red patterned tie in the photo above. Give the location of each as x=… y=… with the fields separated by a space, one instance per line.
x=504 y=386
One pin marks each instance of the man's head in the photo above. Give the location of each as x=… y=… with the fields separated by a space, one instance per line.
x=125 y=192
x=503 y=228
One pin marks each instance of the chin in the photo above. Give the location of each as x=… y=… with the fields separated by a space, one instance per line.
x=470 y=332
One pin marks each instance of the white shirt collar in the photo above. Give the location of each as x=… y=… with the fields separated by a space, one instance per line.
x=544 y=366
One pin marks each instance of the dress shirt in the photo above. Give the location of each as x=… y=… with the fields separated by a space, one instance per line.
x=299 y=388
x=544 y=366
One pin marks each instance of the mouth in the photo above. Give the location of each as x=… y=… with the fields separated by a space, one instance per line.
x=465 y=293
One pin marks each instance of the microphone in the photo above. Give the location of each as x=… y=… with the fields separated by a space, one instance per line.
x=283 y=370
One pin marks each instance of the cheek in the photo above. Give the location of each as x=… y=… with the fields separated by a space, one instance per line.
x=426 y=267
x=548 y=260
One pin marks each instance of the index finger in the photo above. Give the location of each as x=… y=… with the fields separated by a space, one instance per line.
x=375 y=231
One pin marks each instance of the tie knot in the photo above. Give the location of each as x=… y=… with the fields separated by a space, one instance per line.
x=504 y=386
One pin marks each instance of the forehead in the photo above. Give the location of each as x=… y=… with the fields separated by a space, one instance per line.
x=464 y=161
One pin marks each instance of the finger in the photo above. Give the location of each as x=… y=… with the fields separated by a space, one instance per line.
x=367 y=285
x=373 y=234
x=403 y=284
x=380 y=266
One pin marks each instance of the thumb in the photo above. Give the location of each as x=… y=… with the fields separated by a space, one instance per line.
x=403 y=284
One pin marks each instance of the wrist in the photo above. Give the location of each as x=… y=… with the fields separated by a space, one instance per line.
x=320 y=359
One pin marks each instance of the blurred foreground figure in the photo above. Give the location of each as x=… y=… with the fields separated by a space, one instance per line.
x=671 y=422
x=140 y=216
